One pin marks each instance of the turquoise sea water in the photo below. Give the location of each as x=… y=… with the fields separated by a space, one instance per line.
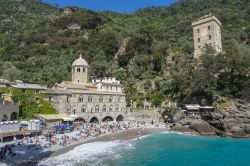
x=168 y=149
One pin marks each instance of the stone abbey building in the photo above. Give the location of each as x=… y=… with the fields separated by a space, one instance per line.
x=206 y=31
x=101 y=99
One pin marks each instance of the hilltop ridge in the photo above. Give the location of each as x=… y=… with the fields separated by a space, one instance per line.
x=40 y=41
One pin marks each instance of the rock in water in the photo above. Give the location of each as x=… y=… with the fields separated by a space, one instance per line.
x=202 y=127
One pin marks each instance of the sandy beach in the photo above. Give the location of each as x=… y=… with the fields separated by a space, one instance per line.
x=121 y=135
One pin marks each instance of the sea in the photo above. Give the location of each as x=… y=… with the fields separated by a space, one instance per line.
x=162 y=149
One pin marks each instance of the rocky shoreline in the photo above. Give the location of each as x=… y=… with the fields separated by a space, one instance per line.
x=200 y=127
x=231 y=118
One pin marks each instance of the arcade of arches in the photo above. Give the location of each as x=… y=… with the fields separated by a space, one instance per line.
x=108 y=118
x=11 y=117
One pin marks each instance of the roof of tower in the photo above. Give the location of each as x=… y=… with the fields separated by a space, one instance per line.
x=80 y=62
x=205 y=19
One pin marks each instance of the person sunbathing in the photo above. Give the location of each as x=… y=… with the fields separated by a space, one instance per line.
x=82 y=137
x=53 y=142
x=45 y=146
x=74 y=139
x=37 y=141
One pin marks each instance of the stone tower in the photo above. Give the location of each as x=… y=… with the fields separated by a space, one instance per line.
x=206 y=31
x=80 y=71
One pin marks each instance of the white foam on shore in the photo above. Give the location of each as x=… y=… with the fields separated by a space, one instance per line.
x=175 y=132
x=141 y=137
x=89 y=154
x=172 y=132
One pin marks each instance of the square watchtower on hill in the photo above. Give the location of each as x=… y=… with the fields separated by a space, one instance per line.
x=206 y=31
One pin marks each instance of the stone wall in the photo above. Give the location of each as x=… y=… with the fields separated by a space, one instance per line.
x=61 y=103
x=8 y=110
x=145 y=114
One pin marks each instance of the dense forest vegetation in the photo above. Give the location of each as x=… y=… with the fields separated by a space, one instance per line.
x=149 y=50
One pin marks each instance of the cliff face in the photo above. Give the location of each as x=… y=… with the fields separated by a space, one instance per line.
x=231 y=118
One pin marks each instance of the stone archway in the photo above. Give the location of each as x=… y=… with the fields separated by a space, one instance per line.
x=13 y=116
x=5 y=118
x=107 y=118
x=119 y=118
x=94 y=120
x=79 y=119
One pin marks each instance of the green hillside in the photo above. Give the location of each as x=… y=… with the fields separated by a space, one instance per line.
x=38 y=43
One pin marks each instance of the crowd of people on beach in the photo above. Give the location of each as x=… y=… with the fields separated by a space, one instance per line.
x=49 y=139
x=6 y=151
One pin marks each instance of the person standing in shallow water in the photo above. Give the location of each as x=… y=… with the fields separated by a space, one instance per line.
x=138 y=136
x=127 y=133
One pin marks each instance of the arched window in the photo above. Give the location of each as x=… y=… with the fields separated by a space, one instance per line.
x=13 y=116
x=5 y=118
x=78 y=69
x=104 y=108
x=97 y=108
x=80 y=99
x=84 y=108
x=90 y=99
x=110 y=99
x=101 y=99
x=117 y=107
x=111 y=108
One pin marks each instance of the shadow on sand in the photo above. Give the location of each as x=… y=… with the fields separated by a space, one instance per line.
x=25 y=155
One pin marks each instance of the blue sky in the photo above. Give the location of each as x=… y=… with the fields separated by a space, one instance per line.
x=112 y=5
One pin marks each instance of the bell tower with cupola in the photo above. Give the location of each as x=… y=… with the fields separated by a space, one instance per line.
x=80 y=71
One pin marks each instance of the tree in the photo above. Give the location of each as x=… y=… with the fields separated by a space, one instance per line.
x=147 y=85
x=234 y=69
x=10 y=72
x=31 y=103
